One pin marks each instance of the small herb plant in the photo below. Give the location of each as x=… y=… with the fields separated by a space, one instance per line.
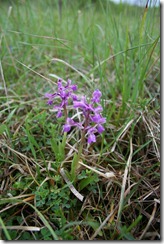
x=90 y=118
x=80 y=112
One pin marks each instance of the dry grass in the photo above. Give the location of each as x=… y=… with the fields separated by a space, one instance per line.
x=115 y=192
x=117 y=202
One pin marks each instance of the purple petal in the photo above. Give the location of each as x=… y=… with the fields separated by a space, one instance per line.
x=60 y=84
x=50 y=102
x=80 y=104
x=59 y=114
x=91 y=138
x=95 y=118
x=96 y=96
x=63 y=94
x=83 y=105
x=48 y=95
x=70 y=121
x=102 y=120
x=98 y=109
x=91 y=130
x=74 y=97
x=50 y=98
x=66 y=128
x=100 y=129
x=98 y=119
x=68 y=83
x=74 y=87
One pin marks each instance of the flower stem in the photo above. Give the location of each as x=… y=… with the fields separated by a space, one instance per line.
x=82 y=142
x=65 y=112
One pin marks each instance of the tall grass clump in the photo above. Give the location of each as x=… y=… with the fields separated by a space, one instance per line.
x=87 y=167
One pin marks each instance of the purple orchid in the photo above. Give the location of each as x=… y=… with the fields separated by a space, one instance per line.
x=69 y=123
x=91 y=135
x=96 y=96
x=64 y=93
x=93 y=119
x=91 y=110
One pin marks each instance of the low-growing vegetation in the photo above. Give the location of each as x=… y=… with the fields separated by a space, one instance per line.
x=88 y=168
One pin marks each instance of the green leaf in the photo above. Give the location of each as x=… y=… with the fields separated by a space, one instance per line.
x=125 y=232
x=54 y=146
x=3 y=127
x=64 y=140
x=74 y=167
x=11 y=114
x=87 y=181
x=32 y=142
x=5 y=230
x=61 y=151
x=135 y=223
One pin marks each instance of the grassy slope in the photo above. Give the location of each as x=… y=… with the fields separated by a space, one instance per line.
x=113 y=48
